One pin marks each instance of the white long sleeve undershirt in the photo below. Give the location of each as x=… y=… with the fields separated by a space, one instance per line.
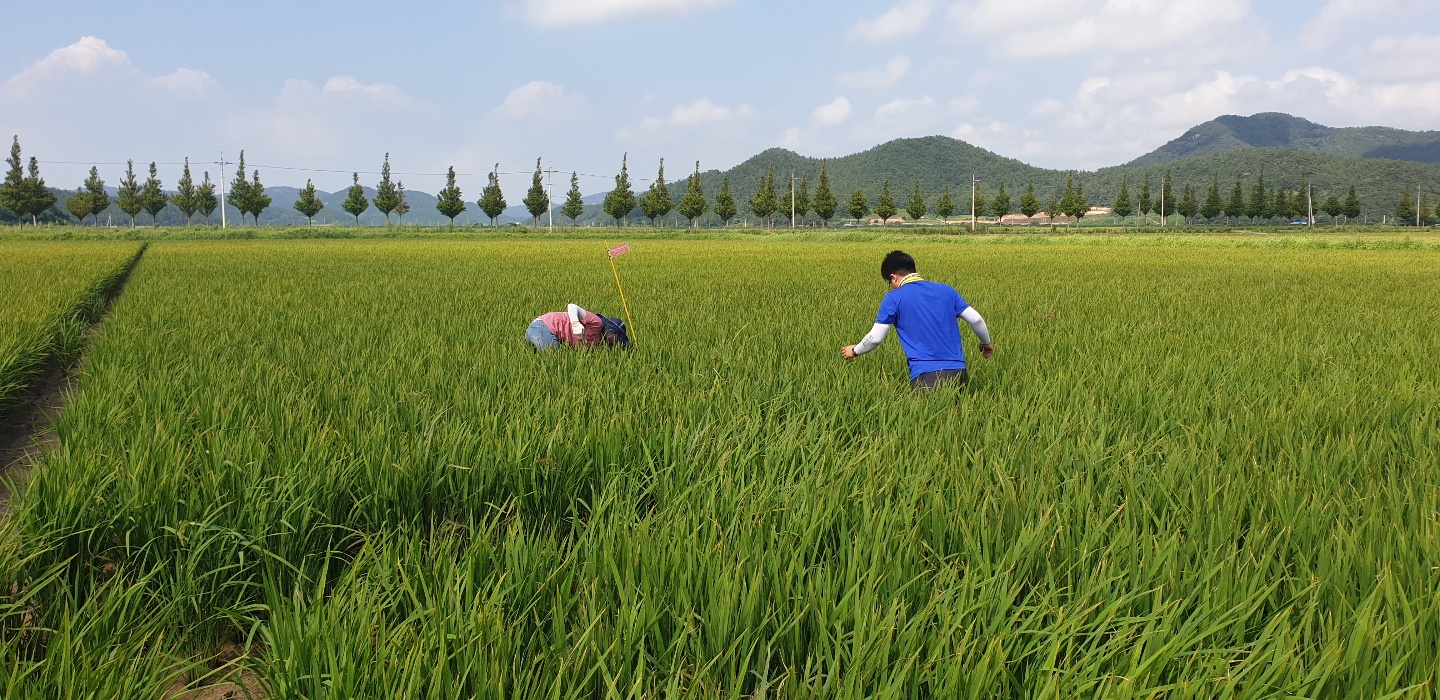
x=576 y=313
x=880 y=331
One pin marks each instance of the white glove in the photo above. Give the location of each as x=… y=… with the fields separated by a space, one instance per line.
x=577 y=328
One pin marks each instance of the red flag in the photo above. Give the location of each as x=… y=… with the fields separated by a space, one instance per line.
x=619 y=250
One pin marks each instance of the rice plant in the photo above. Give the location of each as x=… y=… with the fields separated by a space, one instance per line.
x=1188 y=472
x=50 y=291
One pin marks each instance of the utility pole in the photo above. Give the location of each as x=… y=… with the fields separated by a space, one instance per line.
x=792 y=200
x=1417 y=206
x=975 y=183
x=222 y=188
x=1310 y=202
x=550 y=197
x=1163 y=182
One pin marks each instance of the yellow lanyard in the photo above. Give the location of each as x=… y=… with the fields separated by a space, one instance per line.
x=911 y=278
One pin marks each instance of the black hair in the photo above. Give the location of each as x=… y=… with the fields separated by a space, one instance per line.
x=896 y=261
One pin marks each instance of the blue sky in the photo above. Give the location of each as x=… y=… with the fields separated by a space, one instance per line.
x=334 y=86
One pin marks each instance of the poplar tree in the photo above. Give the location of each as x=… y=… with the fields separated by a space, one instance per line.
x=402 y=206
x=79 y=204
x=1189 y=206
x=1235 y=208
x=492 y=200
x=825 y=203
x=1352 y=206
x=1073 y=203
x=1030 y=204
x=1145 y=205
x=184 y=197
x=536 y=201
x=355 y=202
x=1255 y=208
x=154 y=196
x=574 y=203
x=656 y=202
x=385 y=197
x=128 y=194
x=1000 y=205
x=945 y=205
x=1067 y=200
x=308 y=204
x=692 y=203
x=885 y=204
x=915 y=208
x=12 y=191
x=1081 y=204
x=450 y=202
x=765 y=201
x=621 y=200
x=1405 y=208
x=725 y=206
x=1213 y=207
x=1425 y=210
x=977 y=202
x=99 y=199
x=256 y=198
x=205 y=199
x=1121 y=207
x=240 y=190
x=1333 y=208
x=859 y=206
x=38 y=197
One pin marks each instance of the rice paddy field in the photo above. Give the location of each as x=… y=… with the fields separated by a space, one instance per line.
x=1190 y=471
x=49 y=290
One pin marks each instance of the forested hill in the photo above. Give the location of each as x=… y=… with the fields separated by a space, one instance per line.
x=933 y=161
x=938 y=161
x=1275 y=130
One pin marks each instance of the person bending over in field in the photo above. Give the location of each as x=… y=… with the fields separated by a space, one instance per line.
x=923 y=314
x=578 y=328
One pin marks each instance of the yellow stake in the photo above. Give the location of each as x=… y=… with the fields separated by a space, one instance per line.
x=623 y=303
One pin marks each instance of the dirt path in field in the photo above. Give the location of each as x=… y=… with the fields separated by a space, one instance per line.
x=27 y=430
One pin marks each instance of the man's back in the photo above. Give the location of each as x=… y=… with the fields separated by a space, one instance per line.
x=924 y=316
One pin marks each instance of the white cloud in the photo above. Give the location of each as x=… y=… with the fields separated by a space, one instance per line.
x=184 y=79
x=878 y=78
x=92 y=61
x=1047 y=107
x=1342 y=18
x=1403 y=58
x=561 y=13
x=907 y=18
x=87 y=55
x=541 y=100
x=912 y=116
x=831 y=114
x=1208 y=29
x=704 y=112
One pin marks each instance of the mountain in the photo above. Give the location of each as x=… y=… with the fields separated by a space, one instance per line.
x=1275 y=130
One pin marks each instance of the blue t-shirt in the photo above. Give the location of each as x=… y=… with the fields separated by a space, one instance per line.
x=924 y=316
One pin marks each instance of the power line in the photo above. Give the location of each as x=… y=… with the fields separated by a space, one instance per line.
x=331 y=170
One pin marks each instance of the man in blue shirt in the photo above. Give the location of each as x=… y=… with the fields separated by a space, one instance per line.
x=923 y=315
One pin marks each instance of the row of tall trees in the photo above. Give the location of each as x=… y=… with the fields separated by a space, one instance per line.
x=24 y=193
x=1262 y=204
